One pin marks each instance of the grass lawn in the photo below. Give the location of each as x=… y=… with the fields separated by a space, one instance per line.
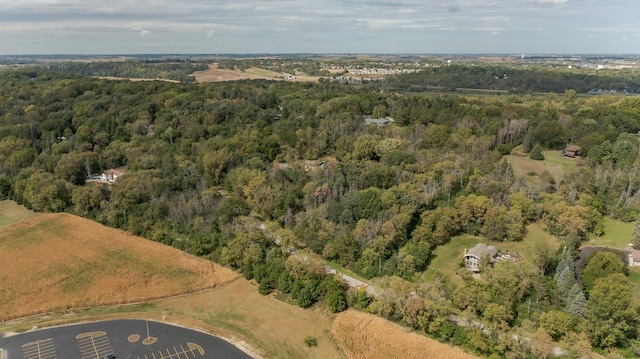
x=554 y=163
x=634 y=278
x=617 y=234
x=11 y=212
x=447 y=258
x=555 y=157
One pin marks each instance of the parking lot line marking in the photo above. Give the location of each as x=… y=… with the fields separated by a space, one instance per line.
x=179 y=352
x=194 y=346
x=93 y=345
x=41 y=349
x=185 y=352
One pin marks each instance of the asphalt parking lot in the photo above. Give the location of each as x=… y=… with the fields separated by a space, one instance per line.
x=126 y=339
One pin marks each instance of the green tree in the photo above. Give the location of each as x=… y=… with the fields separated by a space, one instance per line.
x=365 y=146
x=557 y=323
x=536 y=153
x=599 y=265
x=336 y=300
x=576 y=301
x=635 y=236
x=611 y=317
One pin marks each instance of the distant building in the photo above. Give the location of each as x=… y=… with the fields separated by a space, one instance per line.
x=310 y=165
x=378 y=121
x=571 y=151
x=634 y=257
x=111 y=175
x=472 y=256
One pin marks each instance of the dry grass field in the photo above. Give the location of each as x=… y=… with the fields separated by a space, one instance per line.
x=238 y=312
x=11 y=212
x=262 y=326
x=57 y=262
x=365 y=336
x=215 y=74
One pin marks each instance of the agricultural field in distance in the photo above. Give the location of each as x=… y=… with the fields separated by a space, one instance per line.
x=54 y=262
x=215 y=74
x=365 y=336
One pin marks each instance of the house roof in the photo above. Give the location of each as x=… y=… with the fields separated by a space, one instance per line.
x=377 y=121
x=636 y=255
x=572 y=148
x=113 y=171
x=481 y=249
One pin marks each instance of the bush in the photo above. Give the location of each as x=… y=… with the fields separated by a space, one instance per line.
x=504 y=149
x=310 y=341
x=536 y=153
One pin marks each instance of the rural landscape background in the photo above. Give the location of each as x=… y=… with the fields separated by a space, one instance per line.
x=321 y=206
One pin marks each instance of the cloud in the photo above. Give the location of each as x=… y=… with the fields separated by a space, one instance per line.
x=550 y=1
x=453 y=8
x=315 y=26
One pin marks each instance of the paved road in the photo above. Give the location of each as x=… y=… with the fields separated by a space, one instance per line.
x=352 y=282
x=126 y=339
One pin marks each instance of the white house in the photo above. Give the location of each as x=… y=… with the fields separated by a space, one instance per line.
x=111 y=175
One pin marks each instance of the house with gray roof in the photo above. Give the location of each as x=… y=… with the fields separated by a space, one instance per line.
x=472 y=256
x=378 y=121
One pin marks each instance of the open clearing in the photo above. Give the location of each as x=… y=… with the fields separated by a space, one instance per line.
x=447 y=258
x=554 y=163
x=56 y=262
x=366 y=336
x=11 y=212
x=617 y=234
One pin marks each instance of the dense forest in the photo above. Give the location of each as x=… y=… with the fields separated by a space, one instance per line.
x=520 y=79
x=166 y=69
x=244 y=173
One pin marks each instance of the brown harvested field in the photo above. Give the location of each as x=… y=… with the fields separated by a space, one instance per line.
x=365 y=336
x=56 y=262
x=215 y=74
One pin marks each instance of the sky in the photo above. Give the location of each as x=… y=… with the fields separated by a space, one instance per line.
x=319 y=26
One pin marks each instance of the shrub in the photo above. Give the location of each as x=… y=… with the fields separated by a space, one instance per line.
x=310 y=341
x=536 y=153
